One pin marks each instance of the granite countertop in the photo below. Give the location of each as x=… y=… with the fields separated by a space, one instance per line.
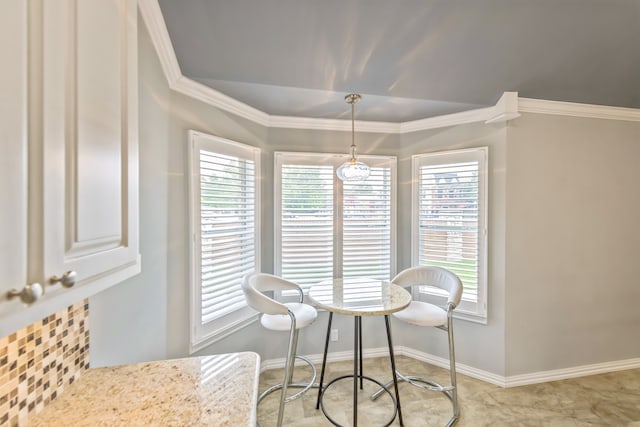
x=218 y=390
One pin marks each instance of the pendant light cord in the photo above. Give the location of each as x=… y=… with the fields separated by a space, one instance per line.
x=353 y=132
x=353 y=170
x=352 y=99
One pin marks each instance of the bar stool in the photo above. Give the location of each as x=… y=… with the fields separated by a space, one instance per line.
x=279 y=316
x=424 y=314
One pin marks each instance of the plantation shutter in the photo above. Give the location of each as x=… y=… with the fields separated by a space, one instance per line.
x=325 y=228
x=224 y=201
x=227 y=230
x=451 y=219
x=307 y=214
x=367 y=226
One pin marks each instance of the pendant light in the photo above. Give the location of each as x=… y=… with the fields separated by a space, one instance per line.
x=352 y=169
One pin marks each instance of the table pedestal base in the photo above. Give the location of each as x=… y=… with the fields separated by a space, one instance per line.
x=361 y=377
x=357 y=373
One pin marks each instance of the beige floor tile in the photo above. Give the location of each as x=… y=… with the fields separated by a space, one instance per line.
x=600 y=400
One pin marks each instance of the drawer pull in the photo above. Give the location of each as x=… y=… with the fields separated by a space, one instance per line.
x=68 y=279
x=28 y=295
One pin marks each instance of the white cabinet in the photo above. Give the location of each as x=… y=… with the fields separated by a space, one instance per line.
x=13 y=148
x=69 y=163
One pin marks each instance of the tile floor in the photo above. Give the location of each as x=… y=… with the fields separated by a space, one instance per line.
x=599 y=400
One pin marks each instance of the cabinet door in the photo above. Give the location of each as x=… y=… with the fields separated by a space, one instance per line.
x=13 y=149
x=89 y=197
x=80 y=161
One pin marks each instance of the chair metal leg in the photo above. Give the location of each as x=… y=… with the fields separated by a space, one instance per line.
x=450 y=391
x=304 y=386
x=293 y=359
x=416 y=381
x=288 y=368
x=452 y=371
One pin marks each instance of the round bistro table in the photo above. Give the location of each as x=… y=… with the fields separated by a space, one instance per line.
x=359 y=297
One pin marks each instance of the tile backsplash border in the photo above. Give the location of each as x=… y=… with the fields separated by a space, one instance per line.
x=37 y=362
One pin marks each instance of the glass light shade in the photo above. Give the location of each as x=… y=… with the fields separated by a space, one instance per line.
x=353 y=170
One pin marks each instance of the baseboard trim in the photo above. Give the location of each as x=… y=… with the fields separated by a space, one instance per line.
x=479 y=374
x=574 y=372
x=461 y=368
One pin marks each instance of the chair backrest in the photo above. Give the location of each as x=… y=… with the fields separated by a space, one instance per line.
x=253 y=286
x=432 y=276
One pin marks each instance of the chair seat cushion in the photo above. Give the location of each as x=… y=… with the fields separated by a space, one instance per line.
x=305 y=315
x=422 y=314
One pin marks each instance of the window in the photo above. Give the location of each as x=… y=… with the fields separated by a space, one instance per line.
x=326 y=228
x=450 y=222
x=225 y=226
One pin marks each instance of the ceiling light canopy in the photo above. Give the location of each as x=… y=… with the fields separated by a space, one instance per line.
x=352 y=169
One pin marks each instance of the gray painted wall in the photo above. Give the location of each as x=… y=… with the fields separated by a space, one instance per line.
x=478 y=345
x=573 y=240
x=538 y=258
x=128 y=322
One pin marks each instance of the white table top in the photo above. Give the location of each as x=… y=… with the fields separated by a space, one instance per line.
x=360 y=296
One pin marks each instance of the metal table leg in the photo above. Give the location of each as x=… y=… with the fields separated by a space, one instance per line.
x=393 y=368
x=360 y=341
x=324 y=359
x=357 y=373
x=356 y=358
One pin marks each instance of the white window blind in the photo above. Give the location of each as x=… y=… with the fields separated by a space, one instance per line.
x=225 y=229
x=367 y=226
x=451 y=219
x=307 y=223
x=326 y=228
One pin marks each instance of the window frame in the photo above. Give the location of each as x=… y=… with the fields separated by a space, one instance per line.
x=334 y=160
x=475 y=311
x=205 y=333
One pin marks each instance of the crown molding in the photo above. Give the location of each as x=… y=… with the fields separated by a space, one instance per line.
x=505 y=109
x=471 y=116
x=541 y=106
x=152 y=16
x=508 y=107
x=307 y=123
x=212 y=97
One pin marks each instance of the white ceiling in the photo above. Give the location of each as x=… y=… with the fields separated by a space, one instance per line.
x=410 y=59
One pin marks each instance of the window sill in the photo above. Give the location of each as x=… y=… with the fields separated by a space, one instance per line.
x=198 y=343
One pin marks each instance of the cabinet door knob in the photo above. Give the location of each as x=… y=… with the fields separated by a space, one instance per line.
x=28 y=295
x=68 y=279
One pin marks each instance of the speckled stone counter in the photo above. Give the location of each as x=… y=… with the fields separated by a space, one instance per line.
x=218 y=390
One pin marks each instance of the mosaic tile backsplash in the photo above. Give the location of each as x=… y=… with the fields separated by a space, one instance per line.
x=38 y=361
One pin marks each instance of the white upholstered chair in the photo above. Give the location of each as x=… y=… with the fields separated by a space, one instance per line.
x=279 y=316
x=421 y=313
